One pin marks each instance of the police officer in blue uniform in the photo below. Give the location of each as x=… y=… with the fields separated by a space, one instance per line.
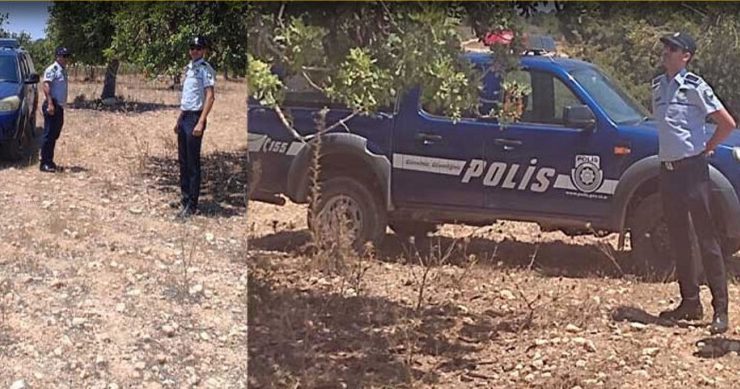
x=681 y=102
x=55 y=93
x=195 y=105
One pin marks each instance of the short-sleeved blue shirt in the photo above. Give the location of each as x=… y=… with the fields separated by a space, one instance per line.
x=680 y=106
x=56 y=75
x=199 y=75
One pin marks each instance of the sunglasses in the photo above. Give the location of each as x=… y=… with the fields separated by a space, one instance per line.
x=196 y=47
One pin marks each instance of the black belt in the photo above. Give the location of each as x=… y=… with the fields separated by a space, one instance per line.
x=673 y=165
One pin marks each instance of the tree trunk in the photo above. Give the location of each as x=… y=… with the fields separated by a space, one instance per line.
x=226 y=73
x=109 y=87
x=175 y=81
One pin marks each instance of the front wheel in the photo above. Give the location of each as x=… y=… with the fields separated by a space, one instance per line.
x=651 y=249
x=16 y=149
x=347 y=211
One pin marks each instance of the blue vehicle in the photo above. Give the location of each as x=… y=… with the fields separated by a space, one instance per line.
x=18 y=100
x=581 y=159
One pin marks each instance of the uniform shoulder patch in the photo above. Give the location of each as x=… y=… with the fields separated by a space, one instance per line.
x=692 y=79
x=656 y=81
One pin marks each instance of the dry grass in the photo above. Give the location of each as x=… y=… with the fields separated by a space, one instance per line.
x=105 y=285
x=502 y=307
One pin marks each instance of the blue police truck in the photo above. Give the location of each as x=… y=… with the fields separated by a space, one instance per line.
x=18 y=100
x=581 y=159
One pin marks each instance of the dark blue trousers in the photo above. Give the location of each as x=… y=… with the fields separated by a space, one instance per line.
x=685 y=190
x=52 y=129
x=188 y=147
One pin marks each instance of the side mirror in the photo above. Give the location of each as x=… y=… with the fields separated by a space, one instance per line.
x=579 y=116
x=33 y=78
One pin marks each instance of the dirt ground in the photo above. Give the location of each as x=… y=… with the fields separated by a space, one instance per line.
x=509 y=307
x=100 y=285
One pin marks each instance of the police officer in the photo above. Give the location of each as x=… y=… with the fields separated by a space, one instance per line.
x=55 y=93
x=195 y=105
x=681 y=102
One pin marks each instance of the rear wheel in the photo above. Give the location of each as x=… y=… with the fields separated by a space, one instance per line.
x=347 y=211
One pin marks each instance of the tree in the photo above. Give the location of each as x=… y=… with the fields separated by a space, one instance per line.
x=155 y=35
x=364 y=54
x=88 y=32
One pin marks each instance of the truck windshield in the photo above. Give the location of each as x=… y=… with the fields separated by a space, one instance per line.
x=8 y=69
x=620 y=107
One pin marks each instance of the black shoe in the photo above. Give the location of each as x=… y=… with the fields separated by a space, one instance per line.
x=720 y=323
x=684 y=311
x=187 y=212
x=48 y=168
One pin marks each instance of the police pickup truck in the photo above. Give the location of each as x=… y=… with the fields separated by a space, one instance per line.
x=582 y=159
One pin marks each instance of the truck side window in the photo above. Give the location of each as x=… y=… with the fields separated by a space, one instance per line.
x=299 y=93
x=548 y=99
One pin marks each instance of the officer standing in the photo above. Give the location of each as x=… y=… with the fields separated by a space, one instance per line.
x=681 y=102
x=55 y=93
x=195 y=105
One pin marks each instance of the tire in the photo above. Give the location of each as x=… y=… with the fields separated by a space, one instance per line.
x=346 y=207
x=16 y=149
x=651 y=251
x=406 y=229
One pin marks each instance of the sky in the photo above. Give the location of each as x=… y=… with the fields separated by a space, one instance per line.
x=30 y=17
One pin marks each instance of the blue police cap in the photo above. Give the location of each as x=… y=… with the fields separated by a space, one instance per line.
x=681 y=40
x=61 y=50
x=199 y=41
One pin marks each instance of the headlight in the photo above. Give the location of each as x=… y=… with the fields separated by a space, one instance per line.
x=10 y=104
x=736 y=153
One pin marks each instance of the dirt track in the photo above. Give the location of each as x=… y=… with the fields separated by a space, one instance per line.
x=100 y=286
x=532 y=309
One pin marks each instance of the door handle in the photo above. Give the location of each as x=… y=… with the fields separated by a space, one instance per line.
x=507 y=144
x=428 y=139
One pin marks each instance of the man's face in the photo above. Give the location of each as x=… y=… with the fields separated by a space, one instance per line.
x=63 y=59
x=196 y=52
x=674 y=58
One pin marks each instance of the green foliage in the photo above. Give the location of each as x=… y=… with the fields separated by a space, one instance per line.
x=623 y=39
x=268 y=89
x=359 y=84
x=86 y=30
x=364 y=54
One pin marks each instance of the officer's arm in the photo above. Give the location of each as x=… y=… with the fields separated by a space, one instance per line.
x=47 y=90
x=725 y=125
x=207 y=104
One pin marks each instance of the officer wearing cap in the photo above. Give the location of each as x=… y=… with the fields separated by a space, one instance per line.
x=195 y=105
x=681 y=102
x=55 y=93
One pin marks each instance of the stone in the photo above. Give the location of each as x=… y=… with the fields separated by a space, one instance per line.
x=20 y=384
x=572 y=328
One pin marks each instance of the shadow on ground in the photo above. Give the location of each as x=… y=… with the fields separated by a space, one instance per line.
x=310 y=337
x=121 y=106
x=552 y=259
x=223 y=182
x=716 y=347
x=555 y=259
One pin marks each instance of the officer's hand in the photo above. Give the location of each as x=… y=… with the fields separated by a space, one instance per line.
x=177 y=128
x=50 y=109
x=708 y=153
x=198 y=130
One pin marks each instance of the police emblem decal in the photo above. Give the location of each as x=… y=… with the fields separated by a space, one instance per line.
x=587 y=175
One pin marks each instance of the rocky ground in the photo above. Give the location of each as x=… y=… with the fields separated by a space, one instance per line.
x=100 y=285
x=500 y=307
